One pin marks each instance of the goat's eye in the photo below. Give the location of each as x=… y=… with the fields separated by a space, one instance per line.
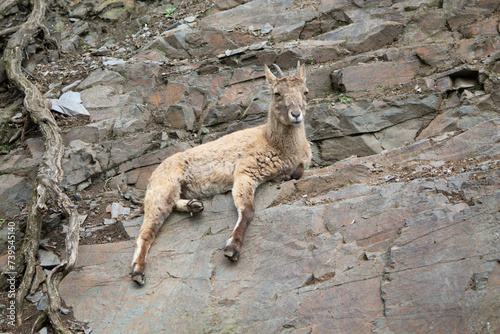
x=277 y=94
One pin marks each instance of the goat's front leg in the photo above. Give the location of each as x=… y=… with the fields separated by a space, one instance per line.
x=243 y=194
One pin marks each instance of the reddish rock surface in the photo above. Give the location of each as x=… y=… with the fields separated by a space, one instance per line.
x=381 y=75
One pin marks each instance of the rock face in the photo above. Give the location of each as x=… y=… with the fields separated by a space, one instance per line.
x=394 y=229
x=401 y=240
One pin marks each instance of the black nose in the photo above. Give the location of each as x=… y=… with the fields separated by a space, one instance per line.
x=295 y=114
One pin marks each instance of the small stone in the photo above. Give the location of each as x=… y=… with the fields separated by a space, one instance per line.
x=130 y=196
x=420 y=169
x=94 y=229
x=70 y=104
x=84 y=185
x=90 y=41
x=43 y=331
x=117 y=210
x=267 y=29
x=78 y=197
x=43 y=242
x=484 y=168
x=109 y=221
x=71 y=86
x=466 y=95
x=110 y=61
x=190 y=19
x=464 y=82
x=444 y=83
x=121 y=51
x=437 y=163
x=35 y=297
x=103 y=49
x=257 y=46
x=64 y=310
x=52 y=86
x=42 y=304
x=48 y=259
x=14 y=10
x=93 y=205
x=180 y=134
x=429 y=83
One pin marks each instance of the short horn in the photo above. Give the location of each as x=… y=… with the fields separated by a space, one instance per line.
x=298 y=68
x=280 y=72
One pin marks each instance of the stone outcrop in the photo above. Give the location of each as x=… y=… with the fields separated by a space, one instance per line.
x=392 y=242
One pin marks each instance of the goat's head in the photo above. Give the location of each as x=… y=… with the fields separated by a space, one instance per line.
x=288 y=96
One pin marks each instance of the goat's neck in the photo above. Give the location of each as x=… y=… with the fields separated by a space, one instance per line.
x=283 y=137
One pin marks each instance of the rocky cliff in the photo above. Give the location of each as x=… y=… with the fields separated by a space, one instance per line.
x=395 y=227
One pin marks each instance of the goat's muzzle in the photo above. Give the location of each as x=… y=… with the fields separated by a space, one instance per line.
x=296 y=118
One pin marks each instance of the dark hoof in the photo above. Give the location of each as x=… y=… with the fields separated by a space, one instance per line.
x=231 y=253
x=195 y=206
x=139 y=278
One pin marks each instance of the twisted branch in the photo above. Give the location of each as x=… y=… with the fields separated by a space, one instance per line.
x=49 y=176
x=7 y=31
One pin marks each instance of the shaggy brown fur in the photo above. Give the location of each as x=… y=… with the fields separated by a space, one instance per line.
x=240 y=162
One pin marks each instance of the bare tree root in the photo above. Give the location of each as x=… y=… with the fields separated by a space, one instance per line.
x=34 y=104
x=49 y=176
x=58 y=273
x=26 y=261
x=10 y=30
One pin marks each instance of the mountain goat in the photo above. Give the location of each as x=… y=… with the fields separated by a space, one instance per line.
x=240 y=162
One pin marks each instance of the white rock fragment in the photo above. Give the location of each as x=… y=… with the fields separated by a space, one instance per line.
x=70 y=104
x=110 y=61
x=117 y=210
x=109 y=221
x=267 y=29
x=190 y=19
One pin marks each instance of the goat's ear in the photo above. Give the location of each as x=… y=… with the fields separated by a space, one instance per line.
x=303 y=72
x=270 y=76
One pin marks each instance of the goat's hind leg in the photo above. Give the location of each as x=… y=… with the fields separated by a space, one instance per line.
x=158 y=204
x=189 y=205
